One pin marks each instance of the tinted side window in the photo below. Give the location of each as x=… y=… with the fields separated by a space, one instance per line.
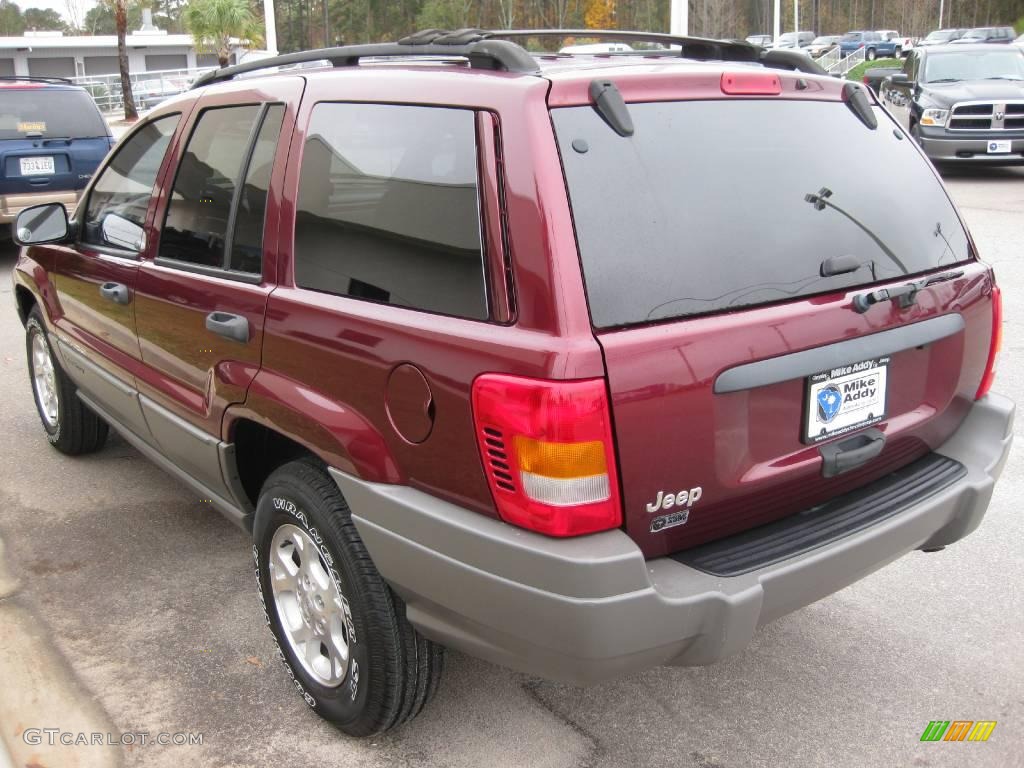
x=388 y=207
x=116 y=210
x=196 y=225
x=247 y=243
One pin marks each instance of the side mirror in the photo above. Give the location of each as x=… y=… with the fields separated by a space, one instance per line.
x=39 y=224
x=899 y=78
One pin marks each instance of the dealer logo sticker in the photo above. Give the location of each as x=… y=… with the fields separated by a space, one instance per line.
x=830 y=400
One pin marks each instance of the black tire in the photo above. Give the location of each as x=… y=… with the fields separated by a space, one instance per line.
x=870 y=54
x=77 y=430
x=392 y=671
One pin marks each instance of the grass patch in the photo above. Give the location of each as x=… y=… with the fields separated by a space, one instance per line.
x=858 y=72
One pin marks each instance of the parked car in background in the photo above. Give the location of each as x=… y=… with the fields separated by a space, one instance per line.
x=52 y=137
x=597 y=48
x=822 y=45
x=874 y=45
x=900 y=44
x=150 y=93
x=1003 y=35
x=795 y=40
x=962 y=102
x=763 y=40
x=941 y=37
x=427 y=335
x=873 y=77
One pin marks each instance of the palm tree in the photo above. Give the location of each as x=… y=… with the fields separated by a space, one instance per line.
x=212 y=23
x=120 y=9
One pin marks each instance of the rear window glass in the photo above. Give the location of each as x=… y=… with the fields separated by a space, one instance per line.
x=52 y=113
x=716 y=205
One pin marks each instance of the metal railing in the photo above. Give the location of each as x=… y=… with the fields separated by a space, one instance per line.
x=846 y=63
x=830 y=59
x=148 y=88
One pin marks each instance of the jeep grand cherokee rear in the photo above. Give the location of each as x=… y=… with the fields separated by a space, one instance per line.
x=531 y=363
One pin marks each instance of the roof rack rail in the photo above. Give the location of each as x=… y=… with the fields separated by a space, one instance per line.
x=690 y=47
x=37 y=79
x=481 y=52
x=488 y=49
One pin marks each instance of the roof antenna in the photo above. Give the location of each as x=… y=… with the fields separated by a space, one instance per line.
x=610 y=106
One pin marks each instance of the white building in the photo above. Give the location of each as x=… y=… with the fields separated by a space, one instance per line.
x=51 y=54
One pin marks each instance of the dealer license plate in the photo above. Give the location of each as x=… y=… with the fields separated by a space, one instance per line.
x=845 y=399
x=999 y=147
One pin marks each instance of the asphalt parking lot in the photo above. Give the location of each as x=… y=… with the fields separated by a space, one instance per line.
x=148 y=598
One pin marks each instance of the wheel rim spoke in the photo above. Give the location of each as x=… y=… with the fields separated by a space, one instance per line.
x=309 y=606
x=44 y=380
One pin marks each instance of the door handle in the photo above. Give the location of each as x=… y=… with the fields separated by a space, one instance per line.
x=234 y=327
x=844 y=455
x=115 y=292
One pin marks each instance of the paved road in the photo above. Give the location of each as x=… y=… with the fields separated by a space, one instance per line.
x=150 y=597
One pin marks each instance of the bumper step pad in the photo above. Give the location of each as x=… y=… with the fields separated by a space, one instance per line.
x=825 y=523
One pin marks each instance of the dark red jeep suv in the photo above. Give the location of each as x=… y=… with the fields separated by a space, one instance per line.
x=578 y=364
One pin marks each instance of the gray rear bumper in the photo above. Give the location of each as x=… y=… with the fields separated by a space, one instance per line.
x=590 y=609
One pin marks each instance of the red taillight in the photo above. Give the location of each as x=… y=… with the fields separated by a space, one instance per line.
x=751 y=84
x=547 y=451
x=994 y=345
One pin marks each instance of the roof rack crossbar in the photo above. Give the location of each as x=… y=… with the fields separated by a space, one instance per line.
x=482 y=54
x=37 y=79
x=489 y=49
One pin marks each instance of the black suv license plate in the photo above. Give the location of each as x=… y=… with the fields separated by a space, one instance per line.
x=845 y=399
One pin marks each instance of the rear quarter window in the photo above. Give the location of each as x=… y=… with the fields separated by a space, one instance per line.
x=388 y=207
x=713 y=206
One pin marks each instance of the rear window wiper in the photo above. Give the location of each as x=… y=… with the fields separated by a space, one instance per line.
x=904 y=295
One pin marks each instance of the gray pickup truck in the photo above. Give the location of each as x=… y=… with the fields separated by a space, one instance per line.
x=962 y=102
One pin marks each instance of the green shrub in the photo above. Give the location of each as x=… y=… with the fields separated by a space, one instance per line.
x=858 y=72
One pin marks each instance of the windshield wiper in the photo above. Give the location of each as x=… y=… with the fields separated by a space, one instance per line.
x=946 y=80
x=1004 y=77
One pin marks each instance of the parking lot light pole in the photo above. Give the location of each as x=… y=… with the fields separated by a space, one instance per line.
x=777 y=25
x=679 y=22
x=796 y=23
x=270 y=27
x=942 y=7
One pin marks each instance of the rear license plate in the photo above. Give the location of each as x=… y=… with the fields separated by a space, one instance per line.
x=998 y=147
x=34 y=166
x=845 y=399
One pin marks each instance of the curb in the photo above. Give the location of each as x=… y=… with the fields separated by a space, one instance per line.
x=41 y=691
x=6 y=761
